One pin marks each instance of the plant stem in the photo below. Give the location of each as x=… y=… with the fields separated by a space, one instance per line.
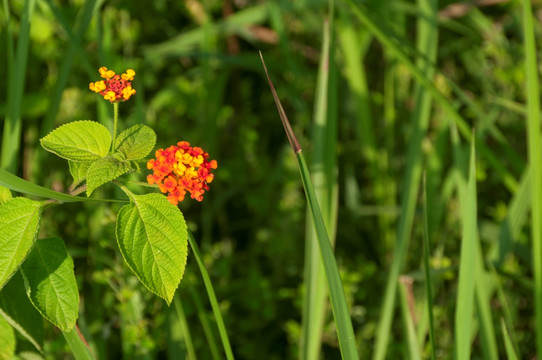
x=115 y=122
x=126 y=191
x=78 y=345
x=212 y=297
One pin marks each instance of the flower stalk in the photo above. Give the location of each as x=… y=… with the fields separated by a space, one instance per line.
x=115 y=124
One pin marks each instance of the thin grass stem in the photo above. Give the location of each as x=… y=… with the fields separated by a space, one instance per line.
x=212 y=297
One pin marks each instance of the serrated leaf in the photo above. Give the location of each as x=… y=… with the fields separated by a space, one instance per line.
x=16 y=308
x=19 y=223
x=5 y=194
x=7 y=340
x=152 y=237
x=51 y=285
x=79 y=169
x=104 y=170
x=136 y=142
x=83 y=140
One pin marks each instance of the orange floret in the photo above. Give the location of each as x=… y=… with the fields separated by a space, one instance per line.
x=179 y=169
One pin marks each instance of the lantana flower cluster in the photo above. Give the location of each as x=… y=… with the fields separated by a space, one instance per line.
x=114 y=88
x=179 y=169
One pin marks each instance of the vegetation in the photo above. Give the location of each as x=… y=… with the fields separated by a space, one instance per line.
x=419 y=123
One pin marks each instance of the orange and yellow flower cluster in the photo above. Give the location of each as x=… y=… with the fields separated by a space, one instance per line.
x=181 y=168
x=114 y=88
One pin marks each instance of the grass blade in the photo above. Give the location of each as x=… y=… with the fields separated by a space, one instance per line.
x=518 y=211
x=325 y=184
x=212 y=297
x=427 y=45
x=535 y=160
x=467 y=266
x=11 y=139
x=428 y=281
x=484 y=291
x=183 y=324
x=510 y=352
x=15 y=183
x=507 y=318
x=420 y=75
x=202 y=315
x=345 y=332
x=84 y=17
x=407 y=309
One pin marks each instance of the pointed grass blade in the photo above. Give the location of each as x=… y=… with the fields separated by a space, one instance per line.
x=510 y=352
x=406 y=300
x=345 y=332
x=467 y=266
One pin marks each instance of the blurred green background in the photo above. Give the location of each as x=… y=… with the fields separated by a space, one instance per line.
x=199 y=78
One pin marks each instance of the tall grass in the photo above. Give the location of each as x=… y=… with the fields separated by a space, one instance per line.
x=535 y=160
x=345 y=332
x=324 y=177
x=16 y=70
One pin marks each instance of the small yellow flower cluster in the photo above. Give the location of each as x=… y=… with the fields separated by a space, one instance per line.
x=114 y=88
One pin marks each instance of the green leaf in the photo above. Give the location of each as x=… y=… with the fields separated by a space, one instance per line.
x=104 y=170
x=16 y=308
x=136 y=142
x=19 y=223
x=78 y=141
x=79 y=170
x=51 y=285
x=5 y=194
x=152 y=237
x=7 y=340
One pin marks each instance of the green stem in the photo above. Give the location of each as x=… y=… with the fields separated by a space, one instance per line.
x=126 y=190
x=115 y=122
x=212 y=297
x=78 y=344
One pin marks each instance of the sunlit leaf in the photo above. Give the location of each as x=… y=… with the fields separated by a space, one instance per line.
x=152 y=237
x=52 y=288
x=136 y=142
x=7 y=340
x=104 y=170
x=5 y=194
x=79 y=169
x=78 y=141
x=19 y=222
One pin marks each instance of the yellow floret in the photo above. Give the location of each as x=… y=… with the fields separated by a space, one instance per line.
x=110 y=96
x=128 y=75
x=107 y=74
x=127 y=92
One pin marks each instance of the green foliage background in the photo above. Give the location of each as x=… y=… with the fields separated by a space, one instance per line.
x=199 y=79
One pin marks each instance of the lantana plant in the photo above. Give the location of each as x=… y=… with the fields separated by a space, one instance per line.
x=150 y=230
